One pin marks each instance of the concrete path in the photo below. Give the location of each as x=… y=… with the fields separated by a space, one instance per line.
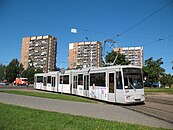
x=102 y=111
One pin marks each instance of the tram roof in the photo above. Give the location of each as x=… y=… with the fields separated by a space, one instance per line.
x=104 y=68
x=89 y=69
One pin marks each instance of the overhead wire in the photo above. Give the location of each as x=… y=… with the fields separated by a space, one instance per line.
x=143 y=19
x=55 y=25
x=155 y=41
x=147 y=43
x=86 y=30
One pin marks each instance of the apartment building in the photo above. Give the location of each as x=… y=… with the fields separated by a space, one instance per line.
x=40 y=52
x=84 y=54
x=132 y=54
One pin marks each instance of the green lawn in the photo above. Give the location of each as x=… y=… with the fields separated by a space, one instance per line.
x=21 y=118
x=159 y=90
x=50 y=95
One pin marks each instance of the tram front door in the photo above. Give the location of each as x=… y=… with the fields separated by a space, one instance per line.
x=111 y=83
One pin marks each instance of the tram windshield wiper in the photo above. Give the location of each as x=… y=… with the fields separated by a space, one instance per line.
x=129 y=84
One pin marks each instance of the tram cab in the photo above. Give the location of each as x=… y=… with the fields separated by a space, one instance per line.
x=133 y=85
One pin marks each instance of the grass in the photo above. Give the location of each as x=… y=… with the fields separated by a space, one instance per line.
x=50 y=95
x=159 y=90
x=21 y=118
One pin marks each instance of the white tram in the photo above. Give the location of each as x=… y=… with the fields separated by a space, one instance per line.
x=119 y=84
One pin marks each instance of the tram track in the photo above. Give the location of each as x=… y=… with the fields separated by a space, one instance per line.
x=160 y=109
x=161 y=101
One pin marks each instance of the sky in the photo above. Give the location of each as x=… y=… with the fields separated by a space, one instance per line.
x=128 y=22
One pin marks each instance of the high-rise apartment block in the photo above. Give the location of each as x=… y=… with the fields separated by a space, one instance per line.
x=132 y=54
x=84 y=54
x=40 y=52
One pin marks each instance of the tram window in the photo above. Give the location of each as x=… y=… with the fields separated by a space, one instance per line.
x=39 y=79
x=80 y=79
x=132 y=78
x=98 y=79
x=61 y=80
x=64 y=79
x=34 y=79
x=48 y=79
x=126 y=81
x=119 y=80
x=44 y=81
x=53 y=81
x=131 y=70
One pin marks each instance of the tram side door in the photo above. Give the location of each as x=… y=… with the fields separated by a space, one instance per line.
x=111 y=84
x=86 y=85
x=75 y=77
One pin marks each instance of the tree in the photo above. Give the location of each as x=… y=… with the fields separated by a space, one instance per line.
x=110 y=57
x=166 y=80
x=2 y=72
x=153 y=70
x=30 y=72
x=13 y=70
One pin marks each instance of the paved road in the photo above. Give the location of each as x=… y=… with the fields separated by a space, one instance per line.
x=102 y=111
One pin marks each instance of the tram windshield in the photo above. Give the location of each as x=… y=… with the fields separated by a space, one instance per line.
x=132 y=78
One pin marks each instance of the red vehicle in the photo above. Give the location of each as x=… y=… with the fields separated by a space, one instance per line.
x=21 y=81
